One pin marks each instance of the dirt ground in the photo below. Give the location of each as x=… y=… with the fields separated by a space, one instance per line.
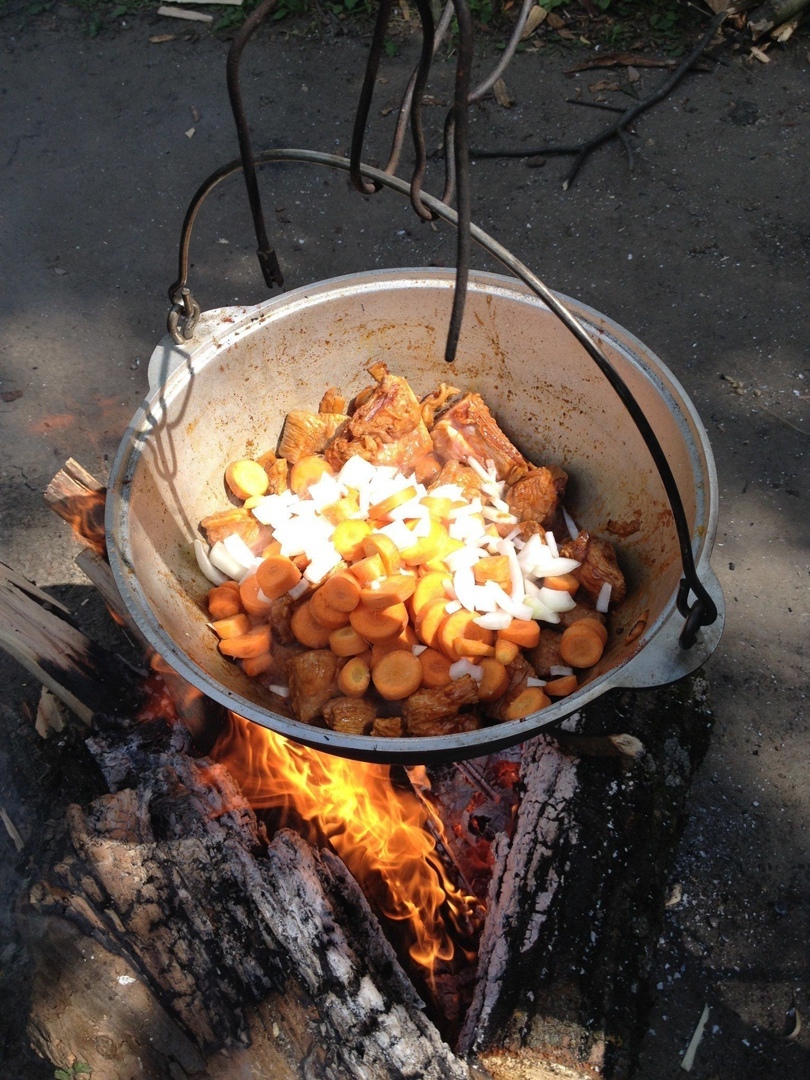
x=703 y=252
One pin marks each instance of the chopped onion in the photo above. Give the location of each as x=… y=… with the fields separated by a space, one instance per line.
x=251 y=570
x=547 y=565
x=299 y=589
x=399 y=532
x=570 y=524
x=558 y=670
x=603 y=599
x=477 y=468
x=473 y=507
x=238 y=549
x=222 y=559
x=513 y=607
x=499 y=516
x=417 y=650
x=464 y=586
x=413 y=508
x=448 y=491
x=531 y=552
x=328 y=558
x=517 y=591
x=541 y=612
x=465 y=667
x=216 y=577
x=356 y=472
x=556 y=599
x=495 y=620
x=273 y=510
x=453 y=607
x=282 y=691
x=466 y=556
x=531 y=681
x=325 y=491
x=551 y=544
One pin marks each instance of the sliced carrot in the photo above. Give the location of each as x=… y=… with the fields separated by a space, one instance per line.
x=232 y=626
x=249 y=595
x=492 y=568
x=523 y=633
x=561 y=583
x=430 y=618
x=306 y=471
x=306 y=630
x=397 y=675
x=345 y=641
x=427 y=588
x=495 y=681
x=469 y=648
x=368 y=569
x=246 y=478
x=426 y=547
x=273 y=548
x=404 y=640
x=461 y=624
x=341 y=510
x=253 y=643
x=395 y=589
x=254 y=666
x=341 y=591
x=378 y=625
x=596 y=628
x=580 y=646
x=348 y=538
x=277 y=575
x=438 y=506
x=354 y=677
x=383 y=508
x=505 y=651
x=379 y=544
x=224 y=602
x=435 y=669
x=448 y=547
x=324 y=614
x=561 y=687
x=530 y=700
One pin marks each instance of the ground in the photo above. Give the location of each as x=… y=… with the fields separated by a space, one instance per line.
x=702 y=251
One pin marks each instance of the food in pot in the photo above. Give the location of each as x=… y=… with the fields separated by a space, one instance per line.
x=398 y=568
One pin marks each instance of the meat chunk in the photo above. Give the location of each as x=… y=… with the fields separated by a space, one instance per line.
x=239 y=522
x=436 y=401
x=386 y=429
x=306 y=433
x=332 y=401
x=388 y=727
x=312 y=680
x=536 y=496
x=580 y=611
x=278 y=673
x=453 y=472
x=354 y=716
x=546 y=654
x=468 y=429
x=599 y=565
x=426 y=711
x=279 y=617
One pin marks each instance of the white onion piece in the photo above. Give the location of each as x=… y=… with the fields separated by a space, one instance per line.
x=603 y=599
x=327 y=559
x=495 y=620
x=453 y=607
x=557 y=599
x=477 y=468
x=499 y=504
x=464 y=667
x=570 y=524
x=541 y=612
x=499 y=516
x=473 y=507
x=273 y=510
x=299 y=589
x=551 y=544
x=221 y=558
x=547 y=565
x=531 y=681
x=238 y=549
x=494 y=489
x=399 y=532
x=417 y=650
x=251 y=570
x=517 y=591
x=464 y=586
x=532 y=551
x=216 y=577
x=282 y=691
x=469 y=530
x=516 y=610
x=484 y=599
x=263 y=598
x=325 y=491
x=467 y=556
x=421 y=526
x=413 y=508
x=356 y=472
x=448 y=491
x=558 y=670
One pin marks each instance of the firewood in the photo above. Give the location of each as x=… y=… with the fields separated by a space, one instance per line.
x=773 y=13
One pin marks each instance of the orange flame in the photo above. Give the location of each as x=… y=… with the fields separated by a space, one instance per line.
x=378 y=831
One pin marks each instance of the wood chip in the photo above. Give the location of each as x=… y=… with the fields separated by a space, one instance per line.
x=190 y=133
x=51 y=715
x=12 y=830
x=689 y=1057
x=502 y=95
x=183 y=13
x=556 y=22
x=633 y=74
x=760 y=54
x=159 y=39
x=536 y=16
x=604 y=84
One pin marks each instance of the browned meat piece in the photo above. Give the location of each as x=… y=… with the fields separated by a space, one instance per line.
x=546 y=654
x=519 y=671
x=436 y=401
x=445 y=725
x=389 y=727
x=468 y=429
x=278 y=674
x=312 y=677
x=426 y=467
x=279 y=618
x=456 y=473
x=352 y=715
x=306 y=433
x=332 y=401
x=423 y=710
x=581 y=611
x=387 y=429
x=535 y=497
x=242 y=523
x=278 y=474
x=598 y=566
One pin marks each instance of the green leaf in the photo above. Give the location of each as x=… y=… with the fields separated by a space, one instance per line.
x=60 y=1074
x=82 y=1068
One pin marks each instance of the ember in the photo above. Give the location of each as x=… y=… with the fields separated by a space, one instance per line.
x=378 y=830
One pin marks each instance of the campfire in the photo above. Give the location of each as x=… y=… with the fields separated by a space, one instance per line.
x=245 y=906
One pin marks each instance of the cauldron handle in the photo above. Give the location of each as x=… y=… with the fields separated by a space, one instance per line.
x=703 y=610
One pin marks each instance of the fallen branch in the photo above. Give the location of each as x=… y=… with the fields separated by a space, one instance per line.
x=618 y=128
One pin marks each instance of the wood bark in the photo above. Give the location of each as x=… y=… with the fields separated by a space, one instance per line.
x=773 y=13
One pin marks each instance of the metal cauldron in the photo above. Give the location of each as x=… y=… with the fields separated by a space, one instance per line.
x=226 y=395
